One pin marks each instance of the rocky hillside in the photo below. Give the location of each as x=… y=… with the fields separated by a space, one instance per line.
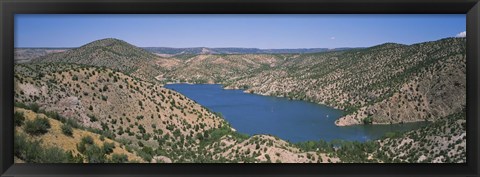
x=111 y=101
x=216 y=68
x=441 y=142
x=107 y=90
x=388 y=83
x=113 y=53
x=155 y=123
x=266 y=148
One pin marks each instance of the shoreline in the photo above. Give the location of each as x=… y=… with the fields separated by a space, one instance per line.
x=340 y=122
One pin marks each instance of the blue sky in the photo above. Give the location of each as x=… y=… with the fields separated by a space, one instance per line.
x=253 y=31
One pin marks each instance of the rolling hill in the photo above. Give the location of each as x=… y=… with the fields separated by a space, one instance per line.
x=388 y=83
x=114 y=90
x=113 y=53
x=155 y=123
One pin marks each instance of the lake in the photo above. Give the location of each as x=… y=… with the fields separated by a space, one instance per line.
x=291 y=120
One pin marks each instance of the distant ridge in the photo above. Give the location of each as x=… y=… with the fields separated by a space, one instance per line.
x=25 y=54
x=236 y=50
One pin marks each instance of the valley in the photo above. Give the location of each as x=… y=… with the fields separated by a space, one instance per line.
x=399 y=83
x=112 y=89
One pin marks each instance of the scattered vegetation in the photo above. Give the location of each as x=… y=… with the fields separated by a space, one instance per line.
x=67 y=130
x=39 y=126
x=32 y=151
x=19 y=118
x=161 y=125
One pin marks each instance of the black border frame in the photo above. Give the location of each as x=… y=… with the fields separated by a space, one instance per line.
x=10 y=7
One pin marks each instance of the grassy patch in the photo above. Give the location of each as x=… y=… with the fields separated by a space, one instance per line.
x=39 y=126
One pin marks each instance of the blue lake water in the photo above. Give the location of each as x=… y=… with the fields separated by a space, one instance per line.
x=291 y=120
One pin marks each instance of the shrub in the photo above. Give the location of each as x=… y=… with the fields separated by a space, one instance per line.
x=72 y=123
x=75 y=78
x=170 y=127
x=108 y=134
x=54 y=155
x=146 y=136
x=199 y=136
x=74 y=159
x=92 y=118
x=95 y=154
x=87 y=139
x=120 y=131
x=148 y=150
x=55 y=116
x=34 y=107
x=19 y=145
x=176 y=133
x=39 y=126
x=84 y=142
x=141 y=129
x=33 y=152
x=368 y=120
x=119 y=158
x=104 y=126
x=146 y=153
x=108 y=147
x=67 y=130
x=19 y=118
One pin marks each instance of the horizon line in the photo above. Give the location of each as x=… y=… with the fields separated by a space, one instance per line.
x=233 y=47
